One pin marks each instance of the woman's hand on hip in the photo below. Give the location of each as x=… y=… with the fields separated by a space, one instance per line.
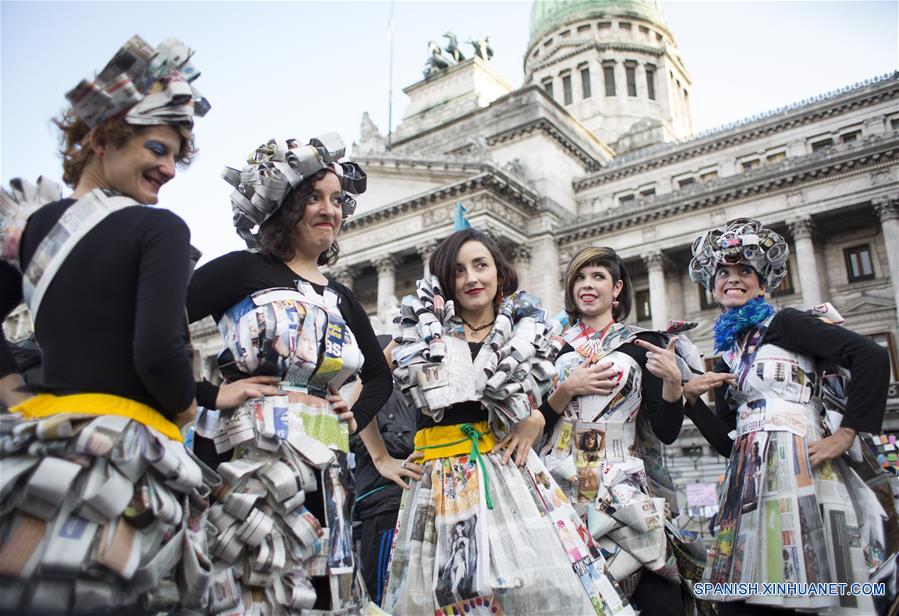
x=397 y=470
x=830 y=447
x=521 y=438
x=340 y=408
x=232 y=395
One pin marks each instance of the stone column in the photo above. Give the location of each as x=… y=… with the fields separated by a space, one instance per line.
x=674 y=276
x=386 y=267
x=802 y=230
x=887 y=210
x=521 y=260
x=546 y=284
x=425 y=251
x=345 y=275
x=658 y=300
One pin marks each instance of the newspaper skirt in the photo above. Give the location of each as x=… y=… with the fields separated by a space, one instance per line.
x=475 y=536
x=614 y=494
x=782 y=521
x=99 y=512
x=283 y=514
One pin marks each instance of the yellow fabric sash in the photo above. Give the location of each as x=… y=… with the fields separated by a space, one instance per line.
x=45 y=405
x=445 y=441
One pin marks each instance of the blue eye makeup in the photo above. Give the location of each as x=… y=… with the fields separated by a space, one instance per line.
x=157 y=147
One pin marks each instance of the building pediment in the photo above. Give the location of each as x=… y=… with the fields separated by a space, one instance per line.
x=865 y=305
x=396 y=178
x=489 y=178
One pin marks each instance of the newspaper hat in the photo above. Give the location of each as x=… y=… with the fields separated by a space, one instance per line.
x=742 y=240
x=277 y=167
x=153 y=84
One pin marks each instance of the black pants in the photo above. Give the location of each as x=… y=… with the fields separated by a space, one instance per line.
x=657 y=596
x=374 y=551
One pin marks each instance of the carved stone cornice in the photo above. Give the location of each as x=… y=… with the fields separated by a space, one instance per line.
x=653 y=260
x=426 y=249
x=887 y=208
x=344 y=274
x=491 y=179
x=385 y=264
x=801 y=228
x=550 y=129
x=520 y=254
x=789 y=175
x=865 y=94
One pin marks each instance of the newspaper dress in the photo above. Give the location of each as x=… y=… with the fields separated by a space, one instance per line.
x=606 y=457
x=289 y=449
x=475 y=536
x=780 y=520
x=101 y=505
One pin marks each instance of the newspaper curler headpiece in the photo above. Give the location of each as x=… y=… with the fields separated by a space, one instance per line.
x=152 y=83
x=742 y=240
x=279 y=166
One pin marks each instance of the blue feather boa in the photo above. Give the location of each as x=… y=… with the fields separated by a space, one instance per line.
x=734 y=322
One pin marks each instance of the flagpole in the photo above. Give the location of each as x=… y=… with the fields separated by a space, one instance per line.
x=390 y=78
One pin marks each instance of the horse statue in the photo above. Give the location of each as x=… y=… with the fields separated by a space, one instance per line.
x=482 y=47
x=452 y=47
x=435 y=62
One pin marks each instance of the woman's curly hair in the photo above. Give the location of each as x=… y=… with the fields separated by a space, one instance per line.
x=276 y=235
x=75 y=135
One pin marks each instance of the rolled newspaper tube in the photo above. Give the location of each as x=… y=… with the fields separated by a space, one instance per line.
x=437 y=350
x=447 y=310
x=491 y=364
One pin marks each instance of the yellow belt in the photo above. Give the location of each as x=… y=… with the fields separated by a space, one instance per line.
x=445 y=441
x=45 y=405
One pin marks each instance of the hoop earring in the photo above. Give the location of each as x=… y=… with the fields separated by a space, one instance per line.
x=615 y=304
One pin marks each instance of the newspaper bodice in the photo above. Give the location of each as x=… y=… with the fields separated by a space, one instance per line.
x=619 y=409
x=604 y=451
x=608 y=428
x=297 y=334
x=775 y=389
x=509 y=375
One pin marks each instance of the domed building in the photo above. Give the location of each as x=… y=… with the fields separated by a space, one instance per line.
x=615 y=67
x=597 y=147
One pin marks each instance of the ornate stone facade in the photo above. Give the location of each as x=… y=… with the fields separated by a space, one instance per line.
x=530 y=170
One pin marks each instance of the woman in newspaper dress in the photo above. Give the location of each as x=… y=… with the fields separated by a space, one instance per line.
x=605 y=448
x=282 y=523
x=791 y=510
x=477 y=534
x=101 y=506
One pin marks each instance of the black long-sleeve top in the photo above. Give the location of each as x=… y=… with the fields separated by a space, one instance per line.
x=664 y=417
x=226 y=280
x=805 y=334
x=112 y=320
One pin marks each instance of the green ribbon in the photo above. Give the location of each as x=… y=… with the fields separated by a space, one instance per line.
x=472 y=433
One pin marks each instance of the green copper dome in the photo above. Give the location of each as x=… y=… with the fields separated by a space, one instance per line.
x=547 y=14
